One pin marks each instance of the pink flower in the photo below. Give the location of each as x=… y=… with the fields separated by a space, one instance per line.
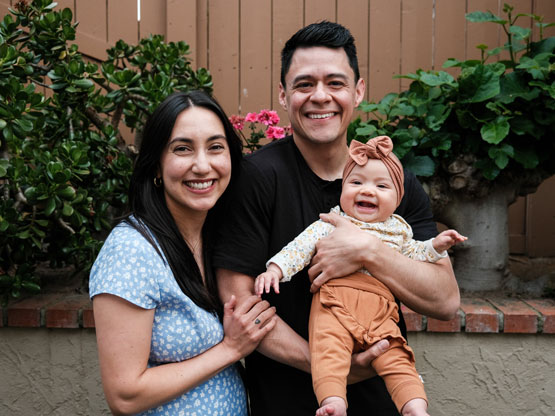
x=275 y=132
x=268 y=117
x=287 y=130
x=251 y=117
x=238 y=122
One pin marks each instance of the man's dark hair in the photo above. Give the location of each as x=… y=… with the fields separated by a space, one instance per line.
x=327 y=34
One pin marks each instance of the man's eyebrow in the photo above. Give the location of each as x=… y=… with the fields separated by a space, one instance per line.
x=303 y=77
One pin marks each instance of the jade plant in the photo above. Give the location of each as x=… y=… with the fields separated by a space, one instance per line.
x=478 y=139
x=64 y=166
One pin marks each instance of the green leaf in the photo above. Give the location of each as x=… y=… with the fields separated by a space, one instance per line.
x=436 y=79
x=23 y=235
x=495 y=131
x=480 y=83
x=25 y=125
x=30 y=286
x=523 y=126
x=478 y=17
x=527 y=158
x=31 y=193
x=67 y=193
x=419 y=165
x=50 y=207
x=4 y=163
x=512 y=86
x=83 y=83
x=67 y=210
x=520 y=32
x=501 y=154
x=368 y=130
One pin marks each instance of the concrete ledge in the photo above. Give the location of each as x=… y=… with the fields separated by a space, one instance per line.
x=476 y=315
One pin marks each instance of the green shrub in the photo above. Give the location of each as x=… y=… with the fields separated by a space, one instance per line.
x=493 y=123
x=64 y=167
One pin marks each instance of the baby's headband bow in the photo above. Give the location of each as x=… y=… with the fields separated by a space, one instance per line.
x=381 y=148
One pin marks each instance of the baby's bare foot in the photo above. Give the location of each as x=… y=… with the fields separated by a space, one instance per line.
x=415 y=407
x=332 y=406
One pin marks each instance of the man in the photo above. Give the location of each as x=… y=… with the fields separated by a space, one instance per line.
x=282 y=189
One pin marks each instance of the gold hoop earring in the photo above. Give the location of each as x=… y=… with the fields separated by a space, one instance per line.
x=157 y=182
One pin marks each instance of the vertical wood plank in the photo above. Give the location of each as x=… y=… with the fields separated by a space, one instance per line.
x=545 y=8
x=353 y=14
x=223 y=46
x=153 y=18
x=318 y=10
x=384 y=48
x=92 y=36
x=202 y=34
x=481 y=33
x=449 y=39
x=4 y=7
x=122 y=21
x=540 y=221
x=416 y=36
x=287 y=19
x=256 y=55
x=181 y=25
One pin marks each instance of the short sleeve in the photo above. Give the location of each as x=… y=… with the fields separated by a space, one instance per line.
x=128 y=267
x=243 y=240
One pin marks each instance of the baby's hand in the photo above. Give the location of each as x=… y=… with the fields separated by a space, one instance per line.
x=447 y=239
x=264 y=281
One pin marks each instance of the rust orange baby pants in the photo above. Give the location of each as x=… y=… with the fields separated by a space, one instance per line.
x=349 y=315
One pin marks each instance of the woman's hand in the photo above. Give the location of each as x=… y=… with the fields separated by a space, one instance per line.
x=245 y=325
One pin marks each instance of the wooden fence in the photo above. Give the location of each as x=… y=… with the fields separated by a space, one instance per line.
x=240 y=42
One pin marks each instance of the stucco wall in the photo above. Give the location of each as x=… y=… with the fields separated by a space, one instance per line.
x=50 y=372
x=487 y=374
x=55 y=372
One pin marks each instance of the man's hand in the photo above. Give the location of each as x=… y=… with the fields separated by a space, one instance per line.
x=341 y=253
x=361 y=363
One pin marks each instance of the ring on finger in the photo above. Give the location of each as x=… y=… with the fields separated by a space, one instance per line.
x=256 y=321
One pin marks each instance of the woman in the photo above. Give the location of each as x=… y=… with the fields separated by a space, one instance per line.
x=161 y=345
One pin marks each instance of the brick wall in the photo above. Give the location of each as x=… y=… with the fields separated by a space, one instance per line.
x=475 y=315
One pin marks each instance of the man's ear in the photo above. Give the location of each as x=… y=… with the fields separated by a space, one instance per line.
x=360 y=90
x=282 y=99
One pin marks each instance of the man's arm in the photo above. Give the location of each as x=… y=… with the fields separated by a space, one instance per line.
x=427 y=288
x=284 y=345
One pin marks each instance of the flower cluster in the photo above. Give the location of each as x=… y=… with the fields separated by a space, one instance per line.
x=262 y=125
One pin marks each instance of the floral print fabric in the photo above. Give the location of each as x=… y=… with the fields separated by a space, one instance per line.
x=129 y=267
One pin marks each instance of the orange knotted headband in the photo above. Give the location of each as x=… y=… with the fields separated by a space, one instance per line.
x=381 y=148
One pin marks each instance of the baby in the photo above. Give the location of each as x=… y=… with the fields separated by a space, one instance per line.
x=352 y=313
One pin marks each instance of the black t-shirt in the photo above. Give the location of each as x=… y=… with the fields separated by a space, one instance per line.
x=276 y=197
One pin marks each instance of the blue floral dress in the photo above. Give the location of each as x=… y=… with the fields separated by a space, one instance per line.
x=129 y=267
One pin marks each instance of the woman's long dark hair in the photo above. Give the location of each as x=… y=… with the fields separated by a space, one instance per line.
x=147 y=203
